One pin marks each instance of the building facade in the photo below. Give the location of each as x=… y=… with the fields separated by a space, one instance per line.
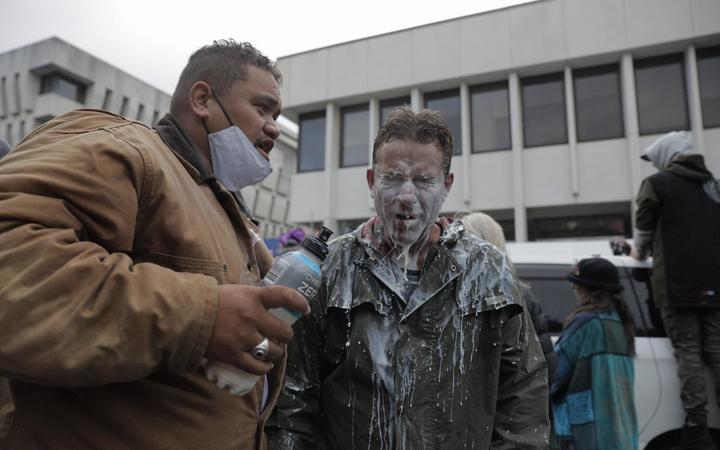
x=51 y=77
x=550 y=104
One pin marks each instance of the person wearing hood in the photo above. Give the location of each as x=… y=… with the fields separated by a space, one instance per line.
x=678 y=222
x=418 y=338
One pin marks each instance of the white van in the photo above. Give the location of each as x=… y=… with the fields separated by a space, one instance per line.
x=657 y=388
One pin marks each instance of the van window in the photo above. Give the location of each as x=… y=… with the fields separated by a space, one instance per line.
x=555 y=295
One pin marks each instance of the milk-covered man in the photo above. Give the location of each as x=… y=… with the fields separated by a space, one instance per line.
x=419 y=338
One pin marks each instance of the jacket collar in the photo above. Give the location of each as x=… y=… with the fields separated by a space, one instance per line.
x=175 y=138
x=439 y=268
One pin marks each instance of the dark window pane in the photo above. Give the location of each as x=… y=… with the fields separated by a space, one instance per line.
x=311 y=145
x=355 y=136
x=709 y=74
x=386 y=107
x=63 y=86
x=508 y=227
x=490 y=117
x=543 y=102
x=661 y=100
x=447 y=103
x=612 y=224
x=598 y=108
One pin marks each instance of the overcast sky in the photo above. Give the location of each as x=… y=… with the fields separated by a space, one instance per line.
x=152 y=39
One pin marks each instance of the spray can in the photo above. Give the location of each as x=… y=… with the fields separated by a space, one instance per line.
x=299 y=270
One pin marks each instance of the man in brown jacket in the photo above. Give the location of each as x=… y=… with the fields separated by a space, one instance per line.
x=128 y=258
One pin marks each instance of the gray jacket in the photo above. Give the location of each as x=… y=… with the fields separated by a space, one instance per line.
x=455 y=366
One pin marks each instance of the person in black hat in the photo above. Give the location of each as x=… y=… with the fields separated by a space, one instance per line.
x=592 y=389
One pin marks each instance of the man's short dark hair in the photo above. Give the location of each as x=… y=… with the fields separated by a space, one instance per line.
x=423 y=127
x=220 y=65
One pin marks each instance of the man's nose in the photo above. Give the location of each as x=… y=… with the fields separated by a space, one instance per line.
x=407 y=192
x=272 y=129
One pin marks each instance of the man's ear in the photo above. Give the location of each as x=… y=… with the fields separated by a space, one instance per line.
x=370 y=176
x=200 y=95
x=449 y=181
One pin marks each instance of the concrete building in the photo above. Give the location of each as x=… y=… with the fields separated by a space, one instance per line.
x=51 y=77
x=551 y=104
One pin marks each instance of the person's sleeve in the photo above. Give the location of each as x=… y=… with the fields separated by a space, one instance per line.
x=521 y=418
x=75 y=310
x=295 y=423
x=569 y=349
x=646 y=218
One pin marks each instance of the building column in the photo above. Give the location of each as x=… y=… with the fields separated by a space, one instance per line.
x=374 y=122
x=571 y=131
x=332 y=146
x=694 y=100
x=632 y=128
x=516 y=131
x=466 y=132
x=416 y=99
x=374 y=125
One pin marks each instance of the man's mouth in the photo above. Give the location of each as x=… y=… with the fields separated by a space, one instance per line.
x=264 y=146
x=405 y=217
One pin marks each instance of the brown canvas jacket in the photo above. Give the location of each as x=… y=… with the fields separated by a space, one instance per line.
x=112 y=247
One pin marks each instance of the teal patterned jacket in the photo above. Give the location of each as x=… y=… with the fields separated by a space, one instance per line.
x=592 y=391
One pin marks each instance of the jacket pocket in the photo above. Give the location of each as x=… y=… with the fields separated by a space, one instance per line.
x=208 y=267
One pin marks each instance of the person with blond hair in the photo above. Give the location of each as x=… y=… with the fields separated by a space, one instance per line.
x=487 y=229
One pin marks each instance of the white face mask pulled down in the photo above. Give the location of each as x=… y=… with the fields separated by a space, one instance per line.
x=236 y=161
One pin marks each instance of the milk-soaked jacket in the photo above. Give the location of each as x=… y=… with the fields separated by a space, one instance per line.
x=112 y=246
x=457 y=367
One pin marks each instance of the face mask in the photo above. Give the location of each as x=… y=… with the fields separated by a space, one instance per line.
x=236 y=162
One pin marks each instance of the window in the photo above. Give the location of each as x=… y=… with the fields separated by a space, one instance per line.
x=140 y=112
x=8 y=134
x=447 y=103
x=661 y=99
x=64 y=86
x=42 y=119
x=563 y=227
x=543 y=103
x=3 y=97
x=107 y=100
x=386 y=107
x=124 y=106
x=156 y=116
x=490 y=117
x=551 y=289
x=355 y=136
x=598 y=105
x=311 y=143
x=709 y=75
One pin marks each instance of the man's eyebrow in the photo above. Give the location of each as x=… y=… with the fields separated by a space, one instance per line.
x=267 y=99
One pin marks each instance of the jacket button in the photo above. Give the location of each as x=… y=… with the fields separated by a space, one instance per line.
x=249 y=266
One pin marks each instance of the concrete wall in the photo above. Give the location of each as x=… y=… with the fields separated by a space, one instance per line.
x=541 y=34
x=23 y=68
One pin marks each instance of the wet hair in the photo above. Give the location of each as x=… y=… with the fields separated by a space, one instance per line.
x=602 y=300
x=220 y=65
x=423 y=127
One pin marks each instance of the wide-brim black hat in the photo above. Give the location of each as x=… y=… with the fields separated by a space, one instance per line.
x=595 y=274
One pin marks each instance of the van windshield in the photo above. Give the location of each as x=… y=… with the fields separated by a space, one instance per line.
x=555 y=295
